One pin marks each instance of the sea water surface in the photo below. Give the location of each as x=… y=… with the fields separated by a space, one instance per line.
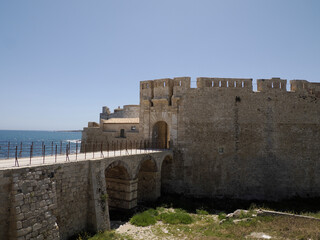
x=22 y=140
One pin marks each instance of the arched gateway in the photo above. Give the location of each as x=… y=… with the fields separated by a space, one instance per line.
x=160 y=134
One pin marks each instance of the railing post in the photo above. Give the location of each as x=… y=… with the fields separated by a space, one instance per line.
x=20 y=153
x=31 y=152
x=93 y=148
x=85 y=150
x=8 y=150
x=16 y=161
x=76 y=150
x=55 y=156
x=114 y=149
x=101 y=149
x=44 y=151
x=60 y=147
x=108 y=148
x=67 y=152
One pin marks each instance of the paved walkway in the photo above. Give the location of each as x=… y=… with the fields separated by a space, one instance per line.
x=38 y=161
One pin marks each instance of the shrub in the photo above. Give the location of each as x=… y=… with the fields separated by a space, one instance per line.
x=145 y=218
x=222 y=215
x=201 y=212
x=176 y=217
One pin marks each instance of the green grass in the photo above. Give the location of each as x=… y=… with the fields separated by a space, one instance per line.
x=179 y=216
x=151 y=216
x=145 y=218
x=202 y=212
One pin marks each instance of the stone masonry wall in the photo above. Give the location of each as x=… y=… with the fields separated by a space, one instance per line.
x=230 y=141
x=46 y=202
x=60 y=200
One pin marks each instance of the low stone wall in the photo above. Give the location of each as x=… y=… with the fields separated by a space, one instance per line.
x=47 y=202
x=60 y=200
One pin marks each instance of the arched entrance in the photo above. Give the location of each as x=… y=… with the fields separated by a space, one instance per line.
x=160 y=134
x=121 y=190
x=167 y=175
x=148 y=181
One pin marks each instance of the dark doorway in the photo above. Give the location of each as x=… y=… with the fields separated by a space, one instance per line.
x=160 y=134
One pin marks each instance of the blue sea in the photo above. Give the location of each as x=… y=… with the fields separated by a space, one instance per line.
x=47 y=141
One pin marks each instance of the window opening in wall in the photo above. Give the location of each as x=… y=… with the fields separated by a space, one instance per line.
x=179 y=83
x=221 y=150
x=219 y=83
x=242 y=84
x=272 y=85
x=227 y=83
x=164 y=84
x=212 y=84
x=147 y=85
x=122 y=133
x=133 y=128
x=234 y=83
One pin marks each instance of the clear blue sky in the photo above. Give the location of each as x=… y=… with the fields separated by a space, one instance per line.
x=61 y=61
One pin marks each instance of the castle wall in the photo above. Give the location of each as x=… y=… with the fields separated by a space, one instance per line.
x=232 y=142
x=128 y=111
x=253 y=145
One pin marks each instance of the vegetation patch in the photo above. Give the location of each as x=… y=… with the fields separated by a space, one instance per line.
x=202 y=212
x=179 y=216
x=145 y=218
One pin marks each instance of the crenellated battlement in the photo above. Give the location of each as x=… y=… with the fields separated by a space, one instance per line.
x=303 y=86
x=168 y=91
x=273 y=84
x=245 y=83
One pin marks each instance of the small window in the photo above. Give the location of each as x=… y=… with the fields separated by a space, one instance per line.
x=122 y=133
x=133 y=128
x=221 y=150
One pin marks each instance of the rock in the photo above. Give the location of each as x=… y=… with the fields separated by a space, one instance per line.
x=259 y=235
x=237 y=213
x=241 y=220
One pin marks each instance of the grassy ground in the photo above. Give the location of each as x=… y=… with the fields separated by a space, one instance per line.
x=209 y=226
x=181 y=218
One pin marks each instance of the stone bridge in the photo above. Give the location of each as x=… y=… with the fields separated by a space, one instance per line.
x=56 y=201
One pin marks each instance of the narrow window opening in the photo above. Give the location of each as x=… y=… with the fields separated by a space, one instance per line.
x=272 y=85
x=227 y=83
x=133 y=128
x=122 y=133
x=179 y=83
x=219 y=83
x=234 y=83
x=164 y=84
x=212 y=84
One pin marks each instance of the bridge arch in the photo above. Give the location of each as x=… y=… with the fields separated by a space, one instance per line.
x=120 y=187
x=167 y=175
x=147 y=175
x=161 y=134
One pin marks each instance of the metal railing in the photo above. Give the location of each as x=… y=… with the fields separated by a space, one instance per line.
x=35 y=153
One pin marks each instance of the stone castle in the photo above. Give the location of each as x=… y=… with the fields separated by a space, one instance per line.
x=227 y=140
